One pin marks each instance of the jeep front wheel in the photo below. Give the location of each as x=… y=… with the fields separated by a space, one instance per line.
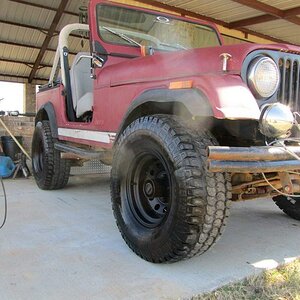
x=167 y=206
x=50 y=171
x=289 y=205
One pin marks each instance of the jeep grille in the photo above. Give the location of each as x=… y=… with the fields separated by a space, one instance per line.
x=289 y=91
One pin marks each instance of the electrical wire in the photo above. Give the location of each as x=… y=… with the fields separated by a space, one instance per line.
x=278 y=191
x=297 y=140
x=281 y=142
x=293 y=172
x=291 y=153
x=5 y=204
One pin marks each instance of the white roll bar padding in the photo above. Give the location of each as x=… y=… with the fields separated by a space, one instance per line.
x=63 y=42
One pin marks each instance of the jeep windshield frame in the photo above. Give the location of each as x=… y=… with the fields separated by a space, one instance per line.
x=120 y=25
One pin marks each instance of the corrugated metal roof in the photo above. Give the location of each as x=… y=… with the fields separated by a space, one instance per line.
x=227 y=11
x=279 y=28
x=282 y=4
x=24 y=25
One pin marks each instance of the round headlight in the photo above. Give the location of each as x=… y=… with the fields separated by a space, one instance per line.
x=263 y=77
x=276 y=120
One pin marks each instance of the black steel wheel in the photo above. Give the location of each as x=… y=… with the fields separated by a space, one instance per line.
x=49 y=169
x=289 y=205
x=166 y=205
x=148 y=187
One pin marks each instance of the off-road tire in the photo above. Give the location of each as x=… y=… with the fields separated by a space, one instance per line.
x=289 y=205
x=50 y=171
x=196 y=202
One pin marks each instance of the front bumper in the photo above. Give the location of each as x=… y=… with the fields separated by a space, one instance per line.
x=261 y=159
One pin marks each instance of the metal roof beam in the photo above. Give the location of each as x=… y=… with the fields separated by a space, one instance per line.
x=272 y=14
x=252 y=21
x=292 y=12
x=294 y=20
x=48 y=37
x=18 y=61
x=43 y=30
x=22 y=77
x=43 y=6
x=11 y=43
x=30 y=46
x=271 y=10
x=264 y=36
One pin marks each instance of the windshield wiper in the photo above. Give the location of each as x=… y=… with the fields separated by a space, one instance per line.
x=175 y=46
x=122 y=36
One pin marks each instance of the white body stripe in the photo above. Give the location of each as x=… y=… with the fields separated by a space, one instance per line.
x=97 y=136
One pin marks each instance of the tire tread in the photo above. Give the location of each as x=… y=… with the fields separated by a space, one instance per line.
x=56 y=170
x=203 y=208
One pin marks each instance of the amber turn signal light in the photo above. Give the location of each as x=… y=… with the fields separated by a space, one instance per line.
x=181 y=85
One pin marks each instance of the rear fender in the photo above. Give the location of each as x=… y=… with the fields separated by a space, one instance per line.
x=47 y=112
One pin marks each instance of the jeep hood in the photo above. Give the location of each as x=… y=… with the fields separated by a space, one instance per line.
x=181 y=64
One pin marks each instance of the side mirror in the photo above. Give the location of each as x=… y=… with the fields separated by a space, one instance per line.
x=98 y=62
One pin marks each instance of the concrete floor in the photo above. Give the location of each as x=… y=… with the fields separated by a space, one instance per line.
x=65 y=245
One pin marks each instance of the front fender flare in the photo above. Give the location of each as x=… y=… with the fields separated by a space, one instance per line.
x=196 y=103
x=192 y=101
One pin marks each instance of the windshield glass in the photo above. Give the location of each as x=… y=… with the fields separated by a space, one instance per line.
x=125 y=26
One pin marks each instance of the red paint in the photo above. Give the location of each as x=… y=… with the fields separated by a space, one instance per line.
x=121 y=80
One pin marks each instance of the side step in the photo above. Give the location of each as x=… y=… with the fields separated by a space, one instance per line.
x=81 y=153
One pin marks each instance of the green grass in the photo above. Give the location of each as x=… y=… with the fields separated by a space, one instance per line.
x=282 y=283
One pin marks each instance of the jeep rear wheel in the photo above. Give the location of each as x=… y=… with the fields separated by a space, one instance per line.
x=289 y=205
x=166 y=205
x=50 y=171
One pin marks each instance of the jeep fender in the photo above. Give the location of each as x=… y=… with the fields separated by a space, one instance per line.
x=182 y=102
x=47 y=112
x=224 y=96
x=229 y=96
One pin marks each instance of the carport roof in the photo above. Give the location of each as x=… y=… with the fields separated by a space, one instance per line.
x=29 y=28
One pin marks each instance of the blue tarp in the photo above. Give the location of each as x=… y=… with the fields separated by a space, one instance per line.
x=7 y=166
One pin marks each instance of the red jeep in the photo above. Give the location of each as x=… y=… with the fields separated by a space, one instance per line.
x=186 y=123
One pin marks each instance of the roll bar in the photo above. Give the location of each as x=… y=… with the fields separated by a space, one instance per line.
x=63 y=44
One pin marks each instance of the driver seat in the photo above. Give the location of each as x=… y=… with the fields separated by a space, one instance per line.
x=81 y=84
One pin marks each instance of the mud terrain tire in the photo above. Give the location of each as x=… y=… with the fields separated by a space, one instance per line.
x=50 y=171
x=289 y=205
x=166 y=205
